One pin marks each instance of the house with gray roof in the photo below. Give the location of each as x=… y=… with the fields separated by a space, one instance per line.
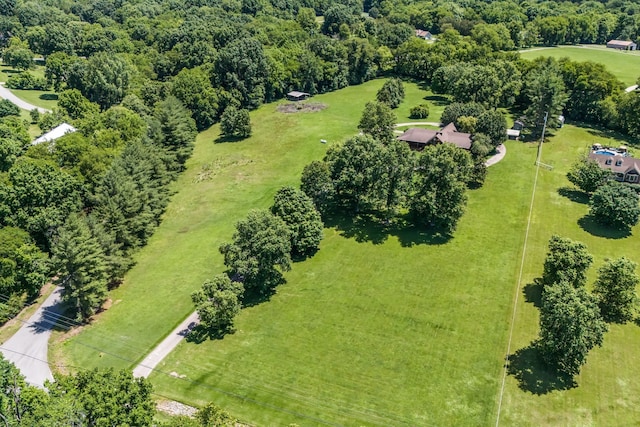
x=625 y=169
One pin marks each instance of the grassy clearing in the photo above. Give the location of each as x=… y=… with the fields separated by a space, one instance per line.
x=39 y=98
x=624 y=65
x=377 y=328
x=366 y=329
x=221 y=183
x=6 y=71
x=607 y=391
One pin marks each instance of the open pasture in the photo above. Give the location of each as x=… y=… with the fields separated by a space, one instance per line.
x=624 y=65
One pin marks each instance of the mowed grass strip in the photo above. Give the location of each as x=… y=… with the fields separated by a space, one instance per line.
x=607 y=391
x=624 y=65
x=377 y=329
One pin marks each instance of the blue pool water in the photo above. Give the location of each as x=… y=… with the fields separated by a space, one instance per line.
x=605 y=152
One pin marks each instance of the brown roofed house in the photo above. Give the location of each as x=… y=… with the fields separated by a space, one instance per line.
x=625 y=169
x=419 y=138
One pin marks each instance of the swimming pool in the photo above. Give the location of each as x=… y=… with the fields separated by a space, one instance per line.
x=606 y=152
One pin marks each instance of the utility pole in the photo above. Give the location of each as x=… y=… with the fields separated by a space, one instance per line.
x=544 y=129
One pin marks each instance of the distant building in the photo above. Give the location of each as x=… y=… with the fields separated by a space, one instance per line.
x=55 y=133
x=518 y=125
x=418 y=138
x=294 y=95
x=424 y=34
x=621 y=44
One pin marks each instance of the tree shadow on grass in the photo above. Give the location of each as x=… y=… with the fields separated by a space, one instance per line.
x=610 y=134
x=593 y=227
x=574 y=195
x=198 y=334
x=438 y=100
x=533 y=292
x=370 y=228
x=49 y=97
x=533 y=375
x=225 y=139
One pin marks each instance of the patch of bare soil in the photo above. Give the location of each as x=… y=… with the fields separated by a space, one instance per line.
x=301 y=107
x=172 y=407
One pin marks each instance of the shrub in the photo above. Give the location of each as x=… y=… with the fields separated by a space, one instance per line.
x=27 y=81
x=420 y=111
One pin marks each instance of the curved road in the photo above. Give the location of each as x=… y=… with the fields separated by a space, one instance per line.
x=27 y=348
x=7 y=94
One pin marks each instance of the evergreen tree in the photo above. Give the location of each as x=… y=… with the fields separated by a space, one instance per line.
x=81 y=267
x=178 y=131
x=391 y=93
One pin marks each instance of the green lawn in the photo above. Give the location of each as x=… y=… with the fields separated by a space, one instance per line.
x=383 y=326
x=607 y=391
x=183 y=252
x=624 y=65
x=39 y=98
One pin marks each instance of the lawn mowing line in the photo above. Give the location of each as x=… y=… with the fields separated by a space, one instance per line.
x=300 y=395
x=518 y=283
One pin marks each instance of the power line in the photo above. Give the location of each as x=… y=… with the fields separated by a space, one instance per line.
x=519 y=282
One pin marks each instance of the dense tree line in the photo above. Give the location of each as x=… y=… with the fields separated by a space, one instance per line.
x=88 y=200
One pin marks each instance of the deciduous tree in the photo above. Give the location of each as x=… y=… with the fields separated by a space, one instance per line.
x=235 y=123
x=616 y=205
x=570 y=326
x=260 y=250
x=378 y=121
x=218 y=303
x=615 y=290
x=587 y=175
x=299 y=213
x=567 y=261
x=439 y=195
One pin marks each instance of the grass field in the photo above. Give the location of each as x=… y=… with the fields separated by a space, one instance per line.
x=39 y=98
x=624 y=65
x=607 y=391
x=383 y=326
x=183 y=251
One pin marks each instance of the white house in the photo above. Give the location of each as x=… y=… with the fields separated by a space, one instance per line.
x=55 y=133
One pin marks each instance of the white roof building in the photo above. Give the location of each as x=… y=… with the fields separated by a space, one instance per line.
x=55 y=133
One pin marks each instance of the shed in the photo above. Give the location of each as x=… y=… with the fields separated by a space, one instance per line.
x=294 y=95
x=55 y=133
x=423 y=34
x=622 y=45
x=513 y=134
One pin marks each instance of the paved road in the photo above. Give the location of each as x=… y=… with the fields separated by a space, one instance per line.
x=165 y=347
x=27 y=349
x=7 y=94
